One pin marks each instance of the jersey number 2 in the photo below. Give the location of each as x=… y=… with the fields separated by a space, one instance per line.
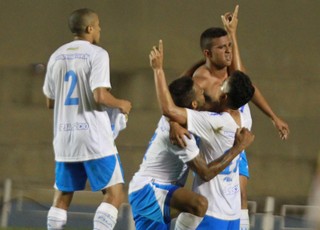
x=71 y=100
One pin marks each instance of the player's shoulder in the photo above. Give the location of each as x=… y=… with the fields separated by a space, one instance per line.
x=201 y=72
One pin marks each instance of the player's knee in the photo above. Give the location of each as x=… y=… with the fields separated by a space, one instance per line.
x=201 y=206
x=114 y=195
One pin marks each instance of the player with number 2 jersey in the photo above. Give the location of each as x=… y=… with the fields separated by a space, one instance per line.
x=80 y=125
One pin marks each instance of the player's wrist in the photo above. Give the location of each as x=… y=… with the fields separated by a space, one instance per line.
x=158 y=69
x=238 y=148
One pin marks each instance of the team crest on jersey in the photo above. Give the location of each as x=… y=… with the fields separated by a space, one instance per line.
x=217 y=130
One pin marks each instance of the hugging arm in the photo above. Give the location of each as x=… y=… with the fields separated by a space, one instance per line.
x=243 y=138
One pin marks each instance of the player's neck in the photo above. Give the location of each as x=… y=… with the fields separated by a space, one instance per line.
x=82 y=38
x=218 y=72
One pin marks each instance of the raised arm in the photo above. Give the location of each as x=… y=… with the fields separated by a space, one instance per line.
x=230 y=22
x=243 y=138
x=167 y=106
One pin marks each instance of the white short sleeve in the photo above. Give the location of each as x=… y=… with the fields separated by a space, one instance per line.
x=100 y=73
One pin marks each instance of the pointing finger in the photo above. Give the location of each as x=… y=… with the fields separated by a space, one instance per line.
x=235 y=13
x=160 y=46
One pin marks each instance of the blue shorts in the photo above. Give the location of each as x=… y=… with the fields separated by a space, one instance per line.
x=151 y=206
x=101 y=173
x=243 y=165
x=212 y=223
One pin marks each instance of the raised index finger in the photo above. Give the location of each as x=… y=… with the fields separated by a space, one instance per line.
x=160 y=46
x=235 y=13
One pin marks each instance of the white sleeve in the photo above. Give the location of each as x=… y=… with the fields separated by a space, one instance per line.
x=48 y=86
x=100 y=72
x=188 y=153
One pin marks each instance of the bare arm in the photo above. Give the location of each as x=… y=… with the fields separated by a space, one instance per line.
x=243 y=139
x=230 y=22
x=263 y=105
x=103 y=97
x=168 y=108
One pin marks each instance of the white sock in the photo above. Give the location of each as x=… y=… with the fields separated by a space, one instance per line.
x=187 y=221
x=244 y=220
x=56 y=219
x=105 y=217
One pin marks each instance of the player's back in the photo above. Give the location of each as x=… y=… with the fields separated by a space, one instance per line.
x=82 y=129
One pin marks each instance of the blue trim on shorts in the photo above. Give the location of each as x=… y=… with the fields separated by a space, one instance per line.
x=212 y=223
x=144 y=223
x=243 y=165
x=146 y=210
x=171 y=189
x=72 y=176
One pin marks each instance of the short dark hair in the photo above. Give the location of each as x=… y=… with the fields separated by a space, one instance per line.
x=209 y=34
x=79 y=20
x=182 y=91
x=241 y=90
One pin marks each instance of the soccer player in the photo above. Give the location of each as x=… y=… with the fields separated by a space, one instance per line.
x=156 y=191
x=77 y=86
x=222 y=57
x=216 y=132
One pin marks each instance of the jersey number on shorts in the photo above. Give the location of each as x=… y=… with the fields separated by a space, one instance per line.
x=69 y=100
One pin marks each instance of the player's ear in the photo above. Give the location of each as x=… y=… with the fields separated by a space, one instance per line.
x=224 y=98
x=194 y=104
x=89 y=29
x=206 y=53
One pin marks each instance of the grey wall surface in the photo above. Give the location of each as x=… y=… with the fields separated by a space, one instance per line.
x=279 y=43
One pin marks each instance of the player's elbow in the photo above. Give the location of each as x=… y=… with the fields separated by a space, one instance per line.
x=207 y=175
x=100 y=95
x=172 y=113
x=98 y=98
x=166 y=111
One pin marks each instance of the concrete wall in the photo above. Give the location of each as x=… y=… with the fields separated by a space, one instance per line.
x=279 y=42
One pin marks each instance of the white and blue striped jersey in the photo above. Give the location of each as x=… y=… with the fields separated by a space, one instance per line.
x=82 y=129
x=164 y=162
x=216 y=132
